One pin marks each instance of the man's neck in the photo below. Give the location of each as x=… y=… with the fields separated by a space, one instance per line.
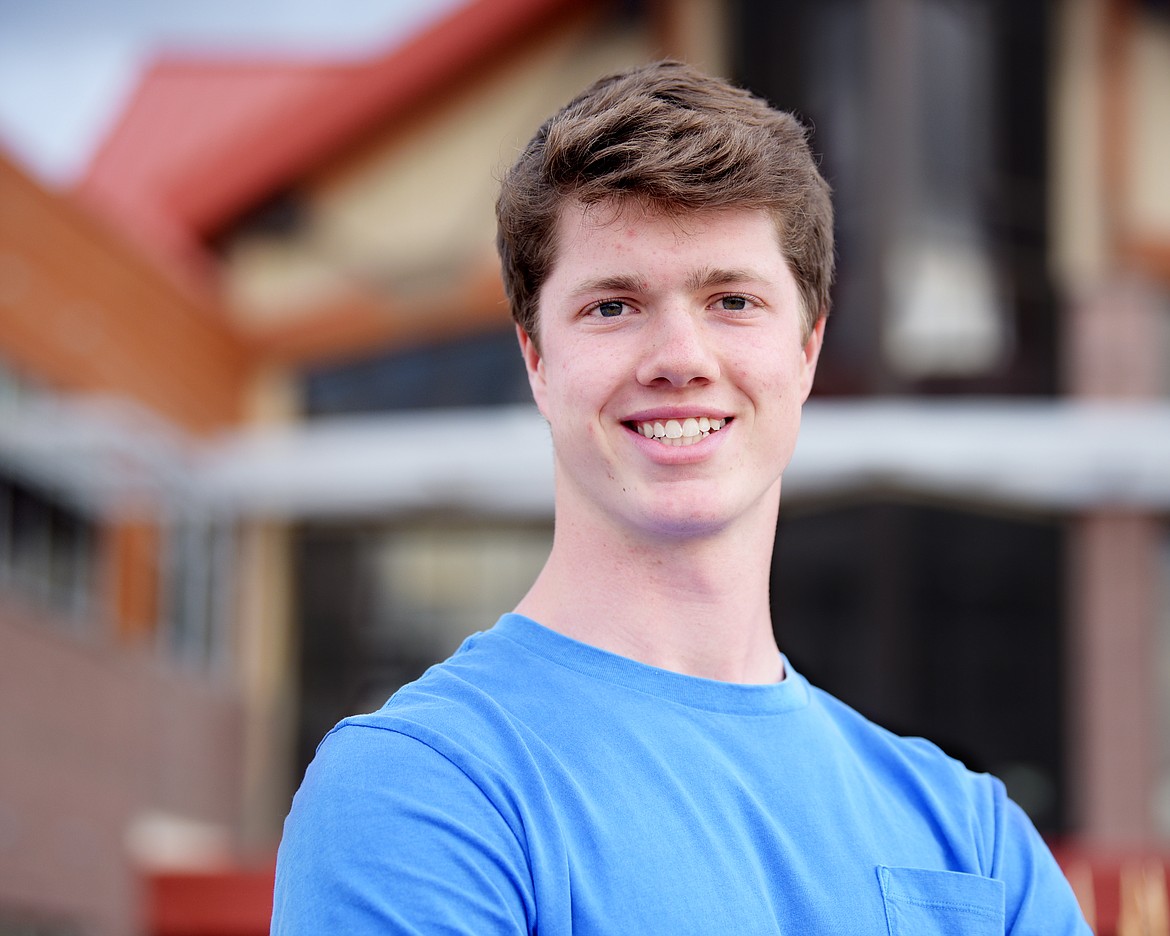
x=694 y=605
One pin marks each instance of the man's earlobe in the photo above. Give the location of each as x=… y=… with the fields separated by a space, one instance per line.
x=528 y=349
x=811 y=354
x=533 y=364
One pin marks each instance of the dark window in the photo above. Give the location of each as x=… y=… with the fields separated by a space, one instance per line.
x=197 y=574
x=474 y=370
x=938 y=623
x=930 y=117
x=377 y=605
x=47 y=550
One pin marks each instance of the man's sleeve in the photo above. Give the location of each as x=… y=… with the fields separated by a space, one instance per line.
x=1040 y=901
x=388 y=836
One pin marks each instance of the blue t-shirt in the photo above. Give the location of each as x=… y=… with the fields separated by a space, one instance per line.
x=535 y=784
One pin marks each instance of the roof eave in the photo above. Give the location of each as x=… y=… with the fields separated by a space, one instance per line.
x=295 y=141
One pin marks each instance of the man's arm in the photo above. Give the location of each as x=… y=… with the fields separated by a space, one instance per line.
x=387 y=836
x=1039 y=900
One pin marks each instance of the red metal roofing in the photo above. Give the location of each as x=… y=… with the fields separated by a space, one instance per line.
x=202 y=142
x=184 y=112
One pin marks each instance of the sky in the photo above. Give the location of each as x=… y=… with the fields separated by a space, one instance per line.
x=67 y=66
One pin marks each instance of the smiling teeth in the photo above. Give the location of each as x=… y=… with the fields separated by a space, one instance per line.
x=680 y=432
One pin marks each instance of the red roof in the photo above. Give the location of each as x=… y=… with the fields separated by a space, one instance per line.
x=204 y=141
x=184 y=113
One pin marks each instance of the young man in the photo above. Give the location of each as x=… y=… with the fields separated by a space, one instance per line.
x=629 y=752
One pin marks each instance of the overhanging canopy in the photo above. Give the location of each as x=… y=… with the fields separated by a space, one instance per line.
x=1041 y=455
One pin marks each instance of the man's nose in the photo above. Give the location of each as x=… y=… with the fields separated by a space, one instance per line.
x=678 y=350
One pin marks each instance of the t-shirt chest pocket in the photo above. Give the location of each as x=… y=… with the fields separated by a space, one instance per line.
x=941 y=903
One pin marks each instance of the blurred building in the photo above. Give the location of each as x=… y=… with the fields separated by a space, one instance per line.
x=121 y=712
x=267 y=448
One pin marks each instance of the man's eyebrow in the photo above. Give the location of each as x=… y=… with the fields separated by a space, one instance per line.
x=711 y=276
x=704 y=278
x=618 y=283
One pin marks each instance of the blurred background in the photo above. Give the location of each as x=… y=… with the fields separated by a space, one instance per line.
x=267 y=450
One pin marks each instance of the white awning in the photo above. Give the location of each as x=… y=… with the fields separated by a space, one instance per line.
x=1032 y=454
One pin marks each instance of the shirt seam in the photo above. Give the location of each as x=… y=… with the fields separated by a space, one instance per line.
x=596 y=677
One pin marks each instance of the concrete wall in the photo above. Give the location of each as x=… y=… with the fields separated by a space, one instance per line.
x=99 y=740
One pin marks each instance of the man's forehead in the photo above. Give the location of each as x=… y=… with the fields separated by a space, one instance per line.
x=576 y=217
x=620 y=222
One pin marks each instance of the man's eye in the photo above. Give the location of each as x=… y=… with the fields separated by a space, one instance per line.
x=610 y=309
x=734 y=303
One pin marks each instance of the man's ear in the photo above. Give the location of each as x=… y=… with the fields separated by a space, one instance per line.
x=534 y=364
x=810 y=354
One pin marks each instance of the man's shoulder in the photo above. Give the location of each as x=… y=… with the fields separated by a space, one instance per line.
x=462 y=709
x=906 y=760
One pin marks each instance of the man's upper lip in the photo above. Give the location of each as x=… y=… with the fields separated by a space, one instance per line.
x=660 y=413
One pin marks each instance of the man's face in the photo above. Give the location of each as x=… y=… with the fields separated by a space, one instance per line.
x=671 y=368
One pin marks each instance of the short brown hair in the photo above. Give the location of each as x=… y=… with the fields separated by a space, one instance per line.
x=673 y=140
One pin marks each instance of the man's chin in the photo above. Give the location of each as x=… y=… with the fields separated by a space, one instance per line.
x=681 y=518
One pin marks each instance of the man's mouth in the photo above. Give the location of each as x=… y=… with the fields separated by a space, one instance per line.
x=679 y=431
